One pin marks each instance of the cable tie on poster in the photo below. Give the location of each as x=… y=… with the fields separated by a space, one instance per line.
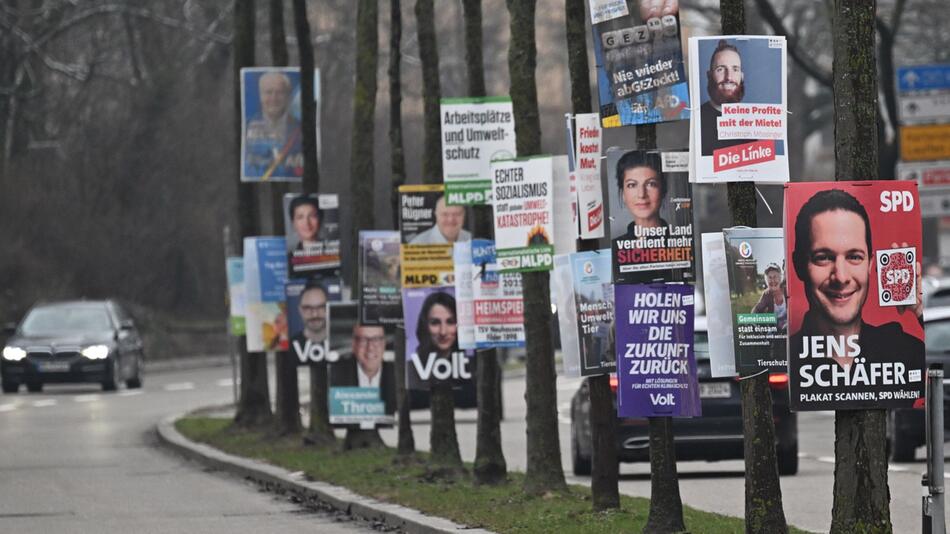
x=753 y=375
x=766 y=202
x=476 y=274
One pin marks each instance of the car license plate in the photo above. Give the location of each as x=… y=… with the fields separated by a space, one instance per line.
x=714 y=390
x=53 y=367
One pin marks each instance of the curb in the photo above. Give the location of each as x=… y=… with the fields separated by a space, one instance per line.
x=391 y=515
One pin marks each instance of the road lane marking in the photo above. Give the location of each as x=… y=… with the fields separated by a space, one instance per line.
x=897 y=468
x=826 y=459
x=87 y=398
x=226 y=382
x=180 y=386
x=44 y=403
x=8 y=407
x=130 y=392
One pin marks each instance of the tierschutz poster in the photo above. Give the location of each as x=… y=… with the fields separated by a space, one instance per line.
x=657 y=368
x=475 y=131
x=856 y=337
x=265 y=275
x=590 y=196
x=523 y=213
x=740 y=133
x=593 y=301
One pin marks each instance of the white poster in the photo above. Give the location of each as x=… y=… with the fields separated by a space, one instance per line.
x=740 y=133
x=722 y=361
x=464 y=294
x=475 y=132
x=604 y=10
x=523 y=212
x=590 y=196
x=562 y=288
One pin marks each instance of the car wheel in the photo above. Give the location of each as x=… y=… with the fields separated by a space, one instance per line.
x=788 y=460
x=112 y=383
x=34 y=387
x=580 y=463
x=136 y=381
x=901 y=448
x=10 y=387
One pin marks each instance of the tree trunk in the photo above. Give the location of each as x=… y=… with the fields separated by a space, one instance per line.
x=407 y=443
x=605 y=469
x=308 y=108
x=397 y=156
x=443 y=441
x=490 y=465
x=666 y=507
x=861 y=494
x=359 y=438
x=320 y=432
x=544 y=472
x=254 y=404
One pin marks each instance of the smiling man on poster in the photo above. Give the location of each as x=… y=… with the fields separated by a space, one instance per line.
x=850 y=349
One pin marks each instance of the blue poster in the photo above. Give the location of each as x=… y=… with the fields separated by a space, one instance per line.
x=657 y=371
x=594 y=309
x=272 y=266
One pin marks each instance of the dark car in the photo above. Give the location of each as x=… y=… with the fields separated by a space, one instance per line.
x=906 y=428
x=717 y=435
x=77 y=341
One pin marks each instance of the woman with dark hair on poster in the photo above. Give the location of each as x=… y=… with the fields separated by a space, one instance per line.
x=642 y=189
x=437 y=327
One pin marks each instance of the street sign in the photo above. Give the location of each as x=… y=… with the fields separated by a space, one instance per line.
x=935 y=203
x=923 y=78
x=929 y=175
x=926 y=108
x=925 y=143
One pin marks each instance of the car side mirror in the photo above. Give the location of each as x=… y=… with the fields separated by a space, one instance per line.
x=126 y=324
x=9 y=329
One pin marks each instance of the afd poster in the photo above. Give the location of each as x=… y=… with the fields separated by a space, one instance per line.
x=740 y=133
x=265 y=275
x=657 y=368
x=271 y=136
x=475 y=132
x=380 y=288
x=498 y=305
x=312 y=224
x=307 y=301
x=755 y=264
x=523 y=213
x=651 y=216
x=641 y=77
x=236 y=299
x=432 y=350
x=428 y=227
x=361 y=370
x=590 y=196
x=854 y=297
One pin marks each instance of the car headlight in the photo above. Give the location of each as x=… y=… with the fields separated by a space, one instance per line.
x=14 y=354
x=96 y=352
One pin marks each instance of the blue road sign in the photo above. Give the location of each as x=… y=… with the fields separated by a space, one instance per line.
x=923 y=78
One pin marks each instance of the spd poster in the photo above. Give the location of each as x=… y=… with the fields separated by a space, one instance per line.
x=523 y=213
x=475 y=132
x=854 y=297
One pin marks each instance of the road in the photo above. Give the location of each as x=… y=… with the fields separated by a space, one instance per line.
x=78 y=460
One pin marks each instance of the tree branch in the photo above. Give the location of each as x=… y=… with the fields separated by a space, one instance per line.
x=768 y=13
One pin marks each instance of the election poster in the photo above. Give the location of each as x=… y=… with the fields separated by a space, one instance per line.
x=307 y=301
x=361 y=370
x=432 y=351
x=265 y=275
x=593 y=303
x=271 y=136
x=590 y=196
x=464 y=294
x=475 y=132
x=854 y=295
x=523 y=213
x=651 y=216
x=657 y=367
x=755 y=264
x=236 y=299
x=641 y=77
x=562 y=290
x=380 y=289
x=312 y=225
x=740 y=133
x=498 y=305
x=564 y=206
x=722 y=353
x=428 y=227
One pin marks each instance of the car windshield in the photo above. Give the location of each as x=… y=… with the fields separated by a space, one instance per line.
x=937 y=334
x=58 y=319
x=701 y=345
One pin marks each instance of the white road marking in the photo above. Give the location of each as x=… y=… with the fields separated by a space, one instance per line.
x=130 y=392
x=44 y=403
x=8 y=407
x=826 y=459
x=226 y=382
x=897 y=468
x=179 y=386
x=92 y=397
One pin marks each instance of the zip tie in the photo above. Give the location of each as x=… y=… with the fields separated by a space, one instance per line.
x=763 y=371
x=766 y=202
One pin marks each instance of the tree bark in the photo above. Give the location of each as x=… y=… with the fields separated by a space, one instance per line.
x=443 y=441
x=544 y=472
x=308 y=107
x=861 y=493
x=253 y=408
x=407 y=442
x=666 y=507
x=605 y=468
x=490 y=465
x=320 y=432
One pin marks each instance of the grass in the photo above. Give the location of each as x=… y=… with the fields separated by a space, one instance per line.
x=503 y=508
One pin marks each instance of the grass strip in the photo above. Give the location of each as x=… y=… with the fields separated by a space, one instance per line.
x=504 y=508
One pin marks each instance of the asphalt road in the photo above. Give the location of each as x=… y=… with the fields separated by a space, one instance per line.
x=78 y=460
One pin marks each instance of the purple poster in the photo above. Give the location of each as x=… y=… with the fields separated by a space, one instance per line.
x=657 y=369
x=432 y=347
